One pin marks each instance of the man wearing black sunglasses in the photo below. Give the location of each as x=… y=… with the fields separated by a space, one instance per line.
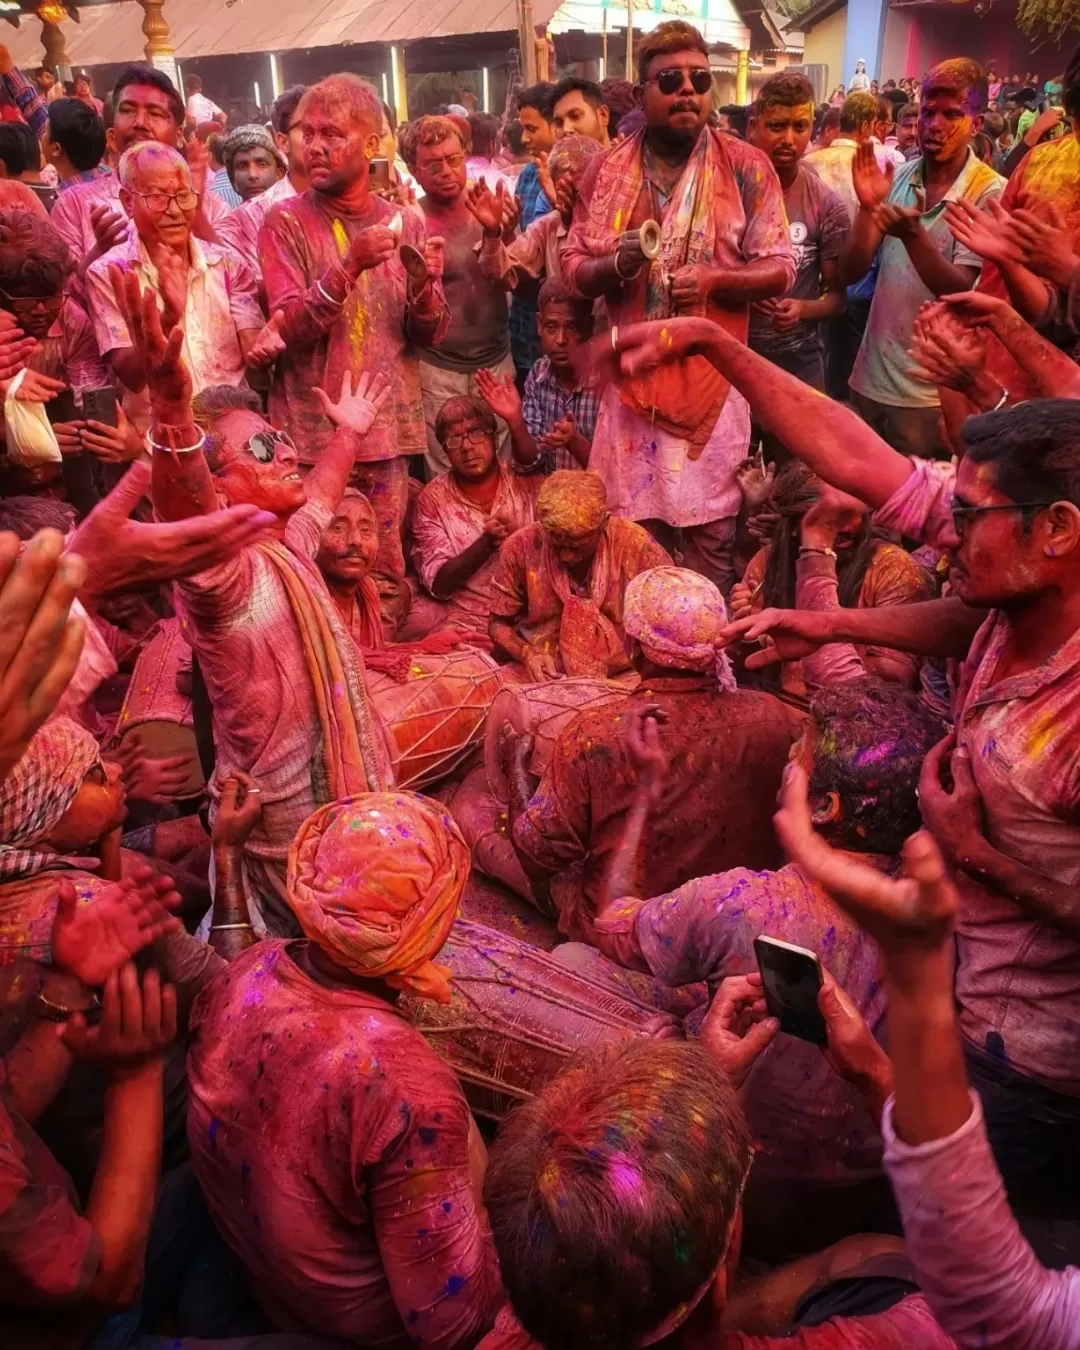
x=666 y=446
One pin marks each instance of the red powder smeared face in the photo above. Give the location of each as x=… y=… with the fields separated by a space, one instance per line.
x=255 y=465
x=337 y=146
x=560 y=333
x=99 y=807
x=440 y=170
x=948 y=119
x=999 y=558
x=350 y=542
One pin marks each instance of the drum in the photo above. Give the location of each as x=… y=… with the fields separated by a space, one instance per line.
x=543 y=709
x=155 y=707
x=436 y=716
x=516 y=1017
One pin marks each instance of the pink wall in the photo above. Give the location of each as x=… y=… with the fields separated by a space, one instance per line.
x=918 y=36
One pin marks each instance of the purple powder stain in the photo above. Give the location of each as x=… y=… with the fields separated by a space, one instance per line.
x=454 y=1285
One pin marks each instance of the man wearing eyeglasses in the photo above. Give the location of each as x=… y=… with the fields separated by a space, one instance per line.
x=476 y=336
x=1009 y=820
x=667 y=444
x=202 y=287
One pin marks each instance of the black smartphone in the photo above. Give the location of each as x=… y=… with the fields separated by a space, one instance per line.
x=379 y=174
x=792 y=979
x=62 y=408
x=99 y=405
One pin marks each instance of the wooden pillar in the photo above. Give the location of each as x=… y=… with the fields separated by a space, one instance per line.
x=54 y=45
x=630 y=42
x=159 y=49
x=742 y=74
x=527 y=43
x=401 y=96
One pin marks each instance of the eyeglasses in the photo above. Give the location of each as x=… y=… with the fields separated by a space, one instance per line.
x=474 y=435
x=962 y=514
x=158 y=202
x=26 y=304
x=454 y=161
x=671 y=81
x=262 y=446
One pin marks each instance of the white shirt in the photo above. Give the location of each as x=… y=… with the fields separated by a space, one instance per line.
x=202 y=109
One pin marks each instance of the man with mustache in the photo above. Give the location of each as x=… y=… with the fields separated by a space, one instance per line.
x=905 y=216
x=667 y=444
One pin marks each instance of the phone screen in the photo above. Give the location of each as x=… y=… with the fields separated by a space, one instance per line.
x=380 y=173
x=792 y=979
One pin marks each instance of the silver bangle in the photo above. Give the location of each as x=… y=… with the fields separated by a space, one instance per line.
x=330 y=299
x=626 y=276
x=179 y=449
x=224 y=927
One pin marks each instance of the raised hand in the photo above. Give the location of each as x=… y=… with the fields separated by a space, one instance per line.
x=120 y=444
x=917 y=911
x=499 y=393
x=755 y=480
x=486 y=206
x=1044 y=244
x=977 y=309
x=37 y=388
x=371 y=247
x=565 y=198
x=511 y=216
x=268 y=344
x=646 y=754
x=121 y=554
x=239 y=810
x=945 y=351
x=167 y=375
x=358 y=404
x=833 y=512
x=110 y=227
x=434 y=256
x=40 y=642
x=982 y=232
x=543 y=173
x=792 y=634
x=871 y=185
x=737 y=1027
x=93 y=941
x=137 y=1023
x=15 y=348
x=197 y=155
x=559 y=434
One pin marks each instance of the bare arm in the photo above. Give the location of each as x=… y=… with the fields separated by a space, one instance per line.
x=452 y=575
x=623 y=877
x=833 y=299
x=862 y=243
x=231 y=930
x=756 y=281
x=504 y=636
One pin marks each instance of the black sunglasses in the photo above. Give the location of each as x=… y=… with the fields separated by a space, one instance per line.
x=962 y=514
x=671 y=81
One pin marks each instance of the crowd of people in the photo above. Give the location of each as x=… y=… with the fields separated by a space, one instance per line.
x=429 y=556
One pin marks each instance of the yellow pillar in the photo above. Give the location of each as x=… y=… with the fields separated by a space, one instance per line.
x=54 y=45
x=742 y=74
x=159 y=48
x=401 y=97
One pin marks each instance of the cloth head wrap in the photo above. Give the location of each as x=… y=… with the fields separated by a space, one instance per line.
x=571 y=503
x=572 y=154
x=676 y=615
x=375 y=881
x=37 y=792
x=247 y=138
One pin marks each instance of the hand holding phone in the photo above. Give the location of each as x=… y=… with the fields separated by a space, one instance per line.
x=792 y=980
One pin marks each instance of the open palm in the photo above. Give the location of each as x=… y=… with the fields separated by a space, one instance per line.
x=91 y=941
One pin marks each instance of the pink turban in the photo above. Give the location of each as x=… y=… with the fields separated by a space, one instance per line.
x=375 y=881
x=676 y=615
x=37 y=792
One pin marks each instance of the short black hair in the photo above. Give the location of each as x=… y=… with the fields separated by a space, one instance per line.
x=736 y=116
x=959 y=75
x=589 y=90
x=1034 y=449
x=484 y=128
x=1070 y=85
x=138 y=73
x=19 y=148
x=512 y=133
x=454 y=409
x=993 y=125
x=78 y=131
x=537 y=96
x=786 y=90
x=908 y=110
x=281 y=114
x=829 y=118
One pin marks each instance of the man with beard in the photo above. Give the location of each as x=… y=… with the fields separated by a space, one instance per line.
x=667 y=445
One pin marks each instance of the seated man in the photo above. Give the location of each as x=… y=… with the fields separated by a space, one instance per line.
x=552 y=425
x=202 y=287
x=354 y=1204
x=615 y=1198
x=462 y=517
x=727 y=751
x=820 y=1148
x=284 y=680
x=557 y=593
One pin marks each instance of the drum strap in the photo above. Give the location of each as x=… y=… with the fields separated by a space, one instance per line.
x=203 y=718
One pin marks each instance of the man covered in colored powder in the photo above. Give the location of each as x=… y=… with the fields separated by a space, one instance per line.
x=820 y=1168
x=558 y=588
x=728 y=748
x=330 y=262
x=284 y=679
x=462 y=517
x=1009 y=517
x=667 y=444
x=335 y=1149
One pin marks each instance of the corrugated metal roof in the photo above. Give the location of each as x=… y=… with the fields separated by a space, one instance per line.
x=110 y=34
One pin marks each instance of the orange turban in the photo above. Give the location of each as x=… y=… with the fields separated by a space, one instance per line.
x=375 y=881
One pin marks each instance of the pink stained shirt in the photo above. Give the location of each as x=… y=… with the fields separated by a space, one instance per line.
x=240 y=623
x=71 y=214
x=978 y=1273
x=332 y=1146
x=921 y=506
x=806 y=1121
x=70 y=352
x=445 y=524
x=301 y=247
x=907 y=1325
x=240 y=228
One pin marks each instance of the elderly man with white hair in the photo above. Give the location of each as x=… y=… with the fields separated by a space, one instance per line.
x=200 y=286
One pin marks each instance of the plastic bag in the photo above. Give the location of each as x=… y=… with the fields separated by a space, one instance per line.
x=30 y=438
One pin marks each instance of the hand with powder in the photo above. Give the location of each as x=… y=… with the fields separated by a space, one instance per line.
x=737 y=1027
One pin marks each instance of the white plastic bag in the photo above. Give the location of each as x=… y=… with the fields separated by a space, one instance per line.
x=30 y=438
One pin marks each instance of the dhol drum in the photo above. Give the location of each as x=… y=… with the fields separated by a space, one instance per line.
x=436 y=716
x=155 y=708
x=543 y=709
x=516 y=1016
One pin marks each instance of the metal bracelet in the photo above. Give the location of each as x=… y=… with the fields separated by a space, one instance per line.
x=177 y=449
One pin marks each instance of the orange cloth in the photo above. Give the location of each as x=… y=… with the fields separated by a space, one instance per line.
x=375 y=881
